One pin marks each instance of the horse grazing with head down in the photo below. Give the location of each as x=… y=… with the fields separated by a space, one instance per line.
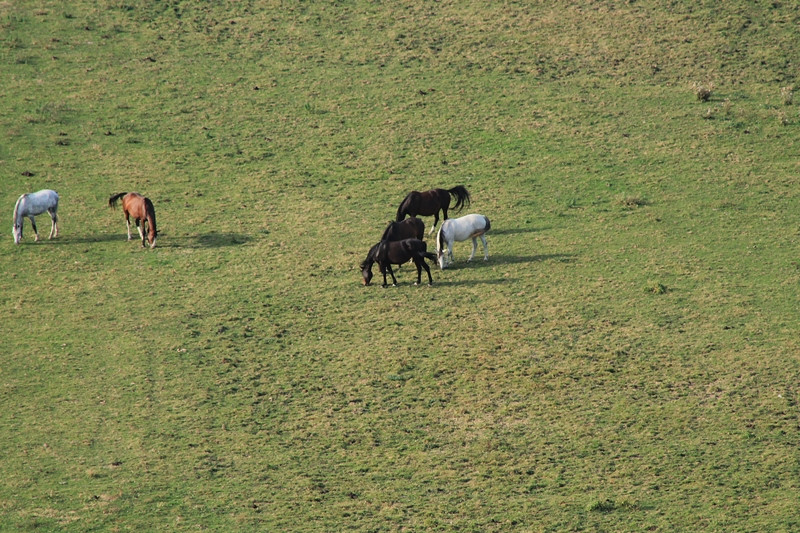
x=461 y=229
x=410 y=228
x=388 y=253
x=32 y=204
x=431 y=202
x=144 y=215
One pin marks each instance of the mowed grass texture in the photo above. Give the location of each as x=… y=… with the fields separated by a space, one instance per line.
x=625 y=361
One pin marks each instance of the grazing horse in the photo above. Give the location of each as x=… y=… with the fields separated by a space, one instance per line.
x=430 y=202
x=410 y=228
x=388 y=253
x=141 y=209
x=461 y=229
x=35 y=203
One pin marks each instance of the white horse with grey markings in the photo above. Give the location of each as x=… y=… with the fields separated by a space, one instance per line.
x=32 y=204
x=461 y=229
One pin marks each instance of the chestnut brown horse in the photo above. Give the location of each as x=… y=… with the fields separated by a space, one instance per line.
x=431 y=202
x=410 y=228
x=144 y=214
x=388 y=253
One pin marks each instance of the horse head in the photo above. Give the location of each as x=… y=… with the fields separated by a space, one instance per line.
x=366 y=265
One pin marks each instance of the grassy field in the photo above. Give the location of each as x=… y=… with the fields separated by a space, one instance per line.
x=625 y=361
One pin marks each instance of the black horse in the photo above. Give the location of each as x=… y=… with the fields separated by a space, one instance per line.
x=388 y=253
x=431 y=202
x=410 y=228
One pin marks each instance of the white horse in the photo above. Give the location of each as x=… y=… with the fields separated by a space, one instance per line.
x=35 y=203
x=461 y=229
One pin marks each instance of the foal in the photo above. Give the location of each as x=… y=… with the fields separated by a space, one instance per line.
x=388 y=253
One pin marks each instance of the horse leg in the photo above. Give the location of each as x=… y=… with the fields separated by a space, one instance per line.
x=420 y=265
x=391 y=273
x=54 y=227
x=383 y=271
x=435 y=221
x=450 y=251
x=485 y=248
x=35 y=231
x=428 y=270
x=128 y=224
x=474 y=247
x=140 y=225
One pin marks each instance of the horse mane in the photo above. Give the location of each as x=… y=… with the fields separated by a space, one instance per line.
x=112 y=202
x=440 y=238
x=16 y=207
x=370 y=257
x=150 y=211
x=385 y=236
x=401 y=210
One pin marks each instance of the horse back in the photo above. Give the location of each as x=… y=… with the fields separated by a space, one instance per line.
x=134 y=204
x=399 y=252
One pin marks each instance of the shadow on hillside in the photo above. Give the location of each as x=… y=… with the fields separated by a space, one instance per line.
x=508 y=259
x=513 y=231
x=83 y=239
x=206 y=240
x=501 y=259
x=459 y=282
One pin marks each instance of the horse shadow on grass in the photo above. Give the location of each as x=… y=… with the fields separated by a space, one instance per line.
x=495 y=260
x=504 y=259
x=206 y=240
x=514 y=231
x=85 y=239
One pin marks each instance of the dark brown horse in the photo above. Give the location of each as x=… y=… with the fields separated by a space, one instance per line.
x=388 y=253
x=431 y=202
x=410 y=228
x=144 y=214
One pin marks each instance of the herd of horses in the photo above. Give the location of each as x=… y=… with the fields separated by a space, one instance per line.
x=402 y=242
x=133 y=205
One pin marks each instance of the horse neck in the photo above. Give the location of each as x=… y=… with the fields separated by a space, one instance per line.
x=150 y=214
x=19 y=209
x=387 y=231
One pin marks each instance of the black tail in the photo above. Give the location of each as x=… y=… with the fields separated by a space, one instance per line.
x=488 y=224
x=401 y=211
x=112 y=202
x=430 y=255
x=460 y=193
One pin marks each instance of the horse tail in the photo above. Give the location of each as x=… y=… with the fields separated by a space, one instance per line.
x=488 y=224
x=461 y=194
x=429 y=255
x=112 y=202
x=401 y=211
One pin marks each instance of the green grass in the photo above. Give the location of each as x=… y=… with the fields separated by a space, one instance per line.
x=625 y=361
